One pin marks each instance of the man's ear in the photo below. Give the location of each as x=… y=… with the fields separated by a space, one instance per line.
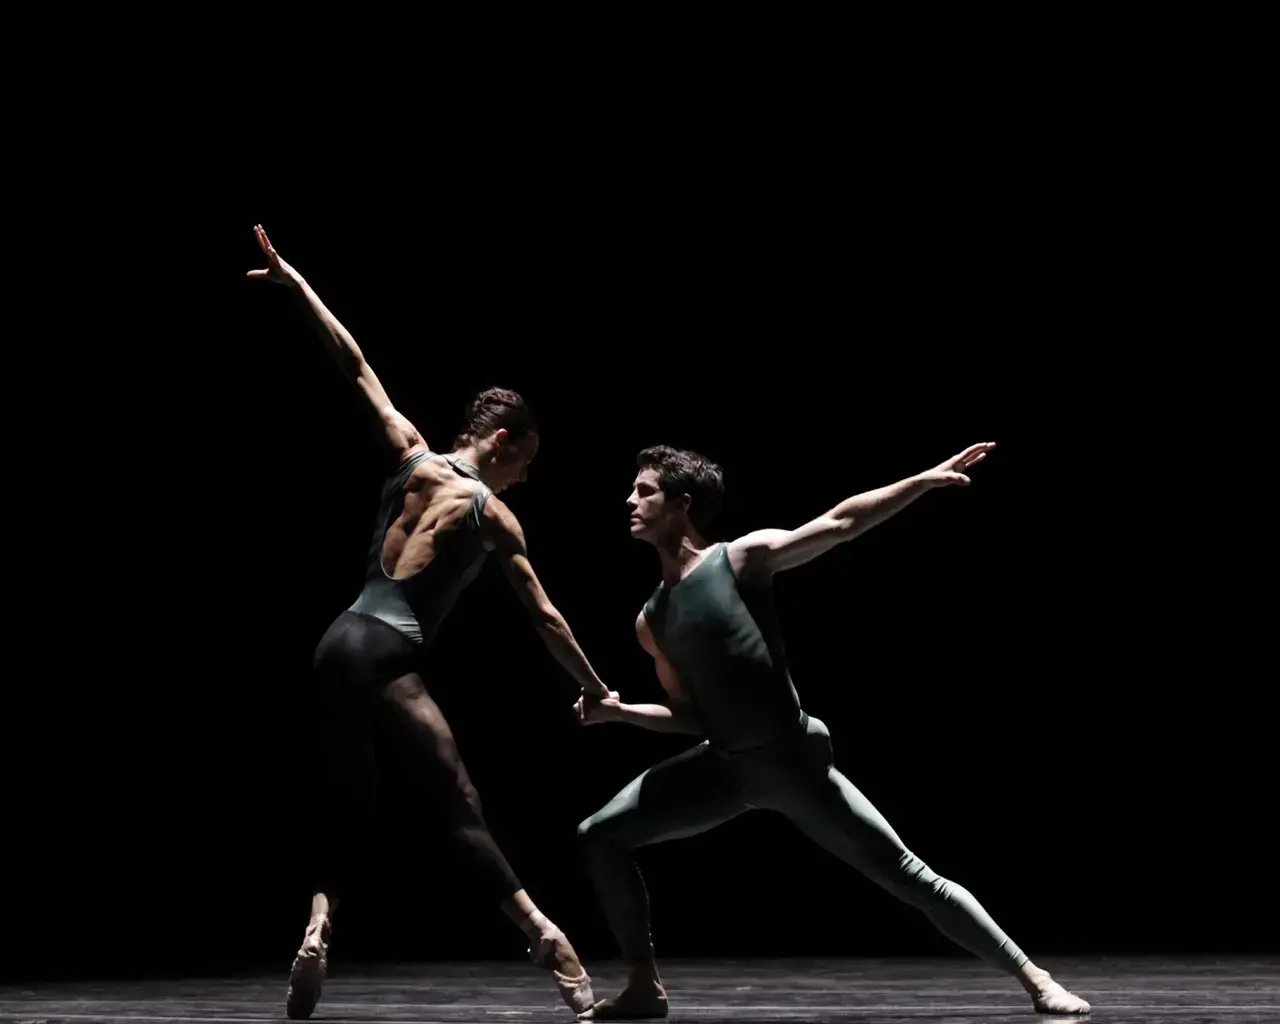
x=500 y=437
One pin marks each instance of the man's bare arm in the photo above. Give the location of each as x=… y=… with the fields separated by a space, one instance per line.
x=654 y=717
x=765 y=552
x=401 y=434
x=513 y=555
x=679 y=716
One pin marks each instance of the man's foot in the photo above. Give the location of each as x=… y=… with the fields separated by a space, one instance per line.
x=553 y=951
x=308 y=971
x=1050 y=997
x=642 y=999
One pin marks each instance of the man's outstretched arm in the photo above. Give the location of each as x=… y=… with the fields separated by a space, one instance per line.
x=508 y=539
x=401 y=434
x=765 y=552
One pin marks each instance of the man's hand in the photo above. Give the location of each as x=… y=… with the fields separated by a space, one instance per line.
x=762 y=553
x=951 y=473
x=592 y=710
x=277 y=269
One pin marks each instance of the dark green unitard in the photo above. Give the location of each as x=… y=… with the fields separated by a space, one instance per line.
x=762 y=751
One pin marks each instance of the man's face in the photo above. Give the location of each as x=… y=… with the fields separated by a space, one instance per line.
x=652 y=512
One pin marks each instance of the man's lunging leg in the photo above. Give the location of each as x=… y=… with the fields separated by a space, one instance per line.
x=682 y=796
x=831 y=811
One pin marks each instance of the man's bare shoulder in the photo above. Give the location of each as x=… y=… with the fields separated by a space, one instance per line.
x=749 y=555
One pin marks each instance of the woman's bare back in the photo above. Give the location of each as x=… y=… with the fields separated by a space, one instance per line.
x=435 y=501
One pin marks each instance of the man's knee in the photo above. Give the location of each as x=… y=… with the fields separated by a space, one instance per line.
x=588 y=831
x=595 y=833
x=916 y=883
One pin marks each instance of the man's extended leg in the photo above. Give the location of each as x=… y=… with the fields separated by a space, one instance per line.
x=682 y=796
x=829 y=809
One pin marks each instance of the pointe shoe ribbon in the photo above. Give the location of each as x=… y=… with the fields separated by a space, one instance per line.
x=575 y=991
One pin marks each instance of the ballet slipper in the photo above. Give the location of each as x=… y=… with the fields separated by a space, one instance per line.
x=1050 y=997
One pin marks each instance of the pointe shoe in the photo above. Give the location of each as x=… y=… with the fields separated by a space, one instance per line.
x=575 y=991
x=306 y=976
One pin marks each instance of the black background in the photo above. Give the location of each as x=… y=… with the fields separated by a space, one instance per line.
x=825 y=257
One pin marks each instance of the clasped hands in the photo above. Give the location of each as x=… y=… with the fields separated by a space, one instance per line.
x=594 y=708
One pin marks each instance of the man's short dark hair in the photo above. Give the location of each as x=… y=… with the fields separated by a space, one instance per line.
x=685 y=472
x=494 y=409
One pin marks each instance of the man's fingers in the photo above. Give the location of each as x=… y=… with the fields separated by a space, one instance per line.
x=258 y=273
x=972 y=455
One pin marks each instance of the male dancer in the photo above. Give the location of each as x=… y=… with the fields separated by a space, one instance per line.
x=439 y=518
x=715 y=639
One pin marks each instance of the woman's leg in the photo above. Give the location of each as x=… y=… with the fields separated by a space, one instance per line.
x=339 y=755
x=428 y=754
